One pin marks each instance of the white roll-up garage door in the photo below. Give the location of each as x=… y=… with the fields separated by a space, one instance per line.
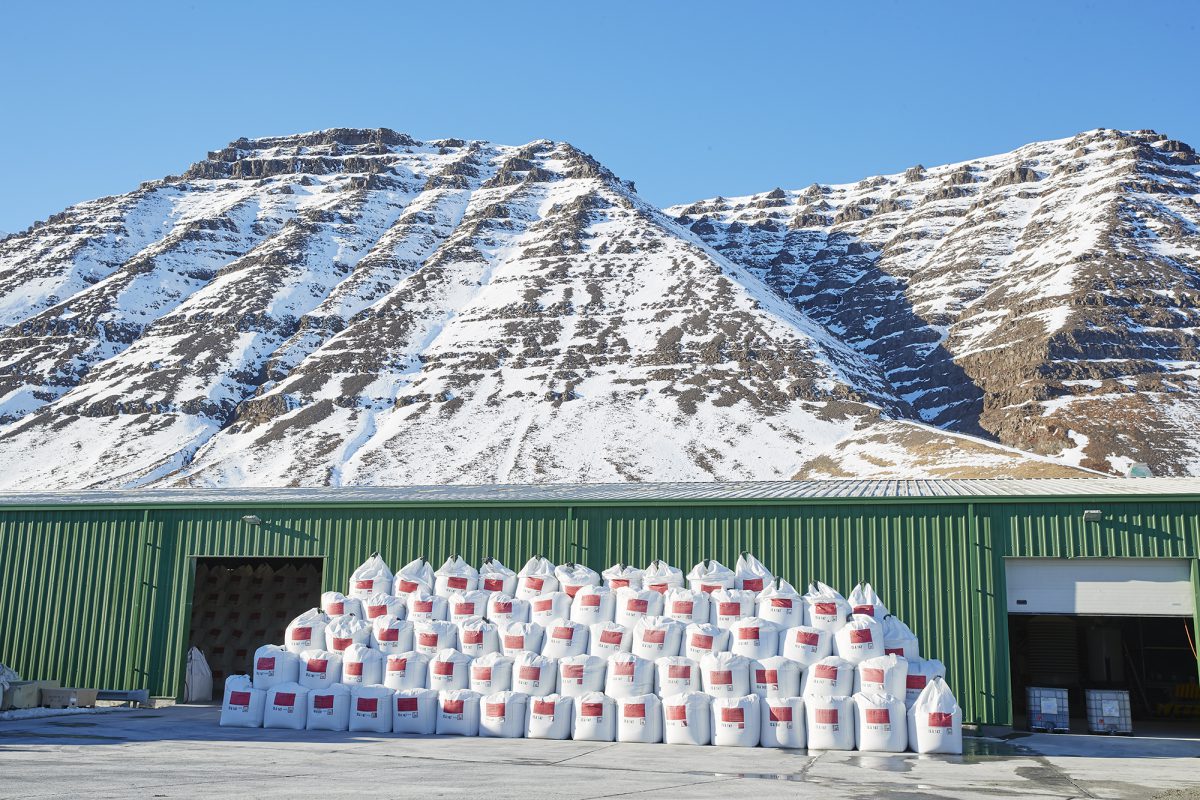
x=1141 y=587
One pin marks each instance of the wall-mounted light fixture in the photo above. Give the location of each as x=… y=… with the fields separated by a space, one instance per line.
x=1093 y=515
x=254 y=519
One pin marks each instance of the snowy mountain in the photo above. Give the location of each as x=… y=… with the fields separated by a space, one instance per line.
x=359 y=307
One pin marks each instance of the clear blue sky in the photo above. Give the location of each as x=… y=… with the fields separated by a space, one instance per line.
x=689 y=99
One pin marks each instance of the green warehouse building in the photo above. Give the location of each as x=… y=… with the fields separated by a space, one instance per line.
x=1081 y=583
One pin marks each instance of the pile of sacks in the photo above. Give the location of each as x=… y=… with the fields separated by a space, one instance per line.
x=719 y=656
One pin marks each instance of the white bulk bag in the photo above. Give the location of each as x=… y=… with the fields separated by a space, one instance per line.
x=274 y=664
x=307 y=631
x=657 y=637
x=709 y=576
x=534 y=675
x=920 y=672
x=336 y=604
x=859 y=639
x=495 y=577
x=935 y=720
x=328 y=708
x=806 y=645
x=687 y=719
x=455 y=576
x=573 y=577
x=730 y=605
x=549 y=717
x=881 y=723
x=607 y=638
x=628 y=675
x=243 y=705
x=416 y=575
x=676 y=675
x=725 y=675
x=783 y=722
x=286 y=707
x=781 y=604
x=686 y=606
x=371 y=709
x=578 y=675
x=750 y=574
x=361 y=665
x=737 y=721
x=380 y=605
x=491 y=673
x=197 y=681
x=343 y=631
x=827 y=609
x=864 y=600
x=882 y=675
x=478 y=637
x=502 y=715
x=414 y=711
x=633 y=604
x=661 y=577
x=899 y=639
x=408 y=670
x=518 y=636
x=320 y=669
x=371 y=576
x=549 y=606
x=424 y=606
x=391 y=634
x=595 y=718
x=464 y=605
x=563 y=638
x=622 y=576
x=433 y=635
x=774 y=676
x=754 y=637
x=536 y=577
x=458 y=713
x=700 y=639
x=830 y=722
x=503 y=609
x=593 y=604
x=449 y=670
x=829 y=676
x=639 y=719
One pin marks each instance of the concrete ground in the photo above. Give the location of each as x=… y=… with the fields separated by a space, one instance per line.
x=181 y=752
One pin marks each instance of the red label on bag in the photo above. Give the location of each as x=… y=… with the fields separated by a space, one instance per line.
x=860 y=636
x=493 y=710
x=239 y=698
x=589 y=601
x=653 y=636
x=534 y=583
x=472 y=637
x=427 y=639
x=709 y=588
x=878 y=716
x=721 y=677
x=635 y=711
x=766 y=676
x=322 y=701
x=729 y=609
x=406 y=705
x=562 y=633
x=367 y=584
x=317 y=665
x=456 y=582
x=940 y=719
x=825 y=609
x=808 y=638
x=452 y=706
x=341 y=644
x=591 y=709
x=443 y=668
x=301 y=634
x=376 y=611
x=572 y=590
x=610 y=637
x=825 y=672
x=335 y=609
x=543 y=707
x=502 y=608
x=481 y=673
x=388 y=635
x=681 y=672
x=868 y=610
x=752 y=584
x=572 y=671
x=733 y=715
x=285 y=699
x=872 y=675
x=893 y=651
x=544 y=605
x=914 y=682
x=682 y=607
x=397 y=664
x=637 y=606
x=422 y=606
x=529 y=673
x=354 y=669
x=747 y=633
x=266 y=663
x=367 y=705
x=464 y=609
x=493 y=584
x=618 y=583
x=623 y=669
x=406 y=587
x=780 y=713
x=514 y=642
x=702 y=641
x=676 y=713
x=827 y=716
x=781 y=602
x=661 y=588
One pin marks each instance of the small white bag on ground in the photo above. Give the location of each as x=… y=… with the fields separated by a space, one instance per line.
x=730 y=605
x=478 y=637
x=535 y=578
x=859 y=639
x=422 y=606
x=725 y=675
x=578 y=675
x=687 y=719
x=935 y=720
x=830 y=722
x=343 y=631
x=563 y=639
x=639 y=719
x=595 y=718
x=243 y=705
x=750 y=574
x=806 y=645
x=535 y=675
x=881 y=723
x=502 y=715
x=371 y=709
x=504 y=609
x=899 y=639
x=307 y=631
x=882 y=675
x=380 y=605
x=455 y=576
x=774 y=677
x=628 y=675
x=593 y=604
x=864 y=600
x=391 y=634
x=660 y=577
x=416 y=575
x=286 y=707
x=491 y=673
x=371 y=576
x=198 y=683
x=458 y=713
x=495 y=577
x=320 y=669
x=830 y=676
x=737 y=721
x=622 y=576
x=920 y=672
x=273 y=665
x=827 y=609
x=409 y=670
x=754 y=637
x=549 y=606
x=710 y=575
x=362 y=666
x=687 y=606
x=328 y=708
x=336 y=604
x=431 y=636
x=676 y=675
x=518 y=636
x=449 y=670
x=782 y=604
x=633 y=604
x=549 y=717
x=573 y=577
x=783 y=723
x=657 y=637
x=414 y=711
x=465 y=605
x=700 y=640
x=608 y=638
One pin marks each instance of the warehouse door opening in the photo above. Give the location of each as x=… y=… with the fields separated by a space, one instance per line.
x=1105 y=624
x=240 y=604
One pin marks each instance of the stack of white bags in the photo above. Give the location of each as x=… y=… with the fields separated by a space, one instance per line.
x=733 y=657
